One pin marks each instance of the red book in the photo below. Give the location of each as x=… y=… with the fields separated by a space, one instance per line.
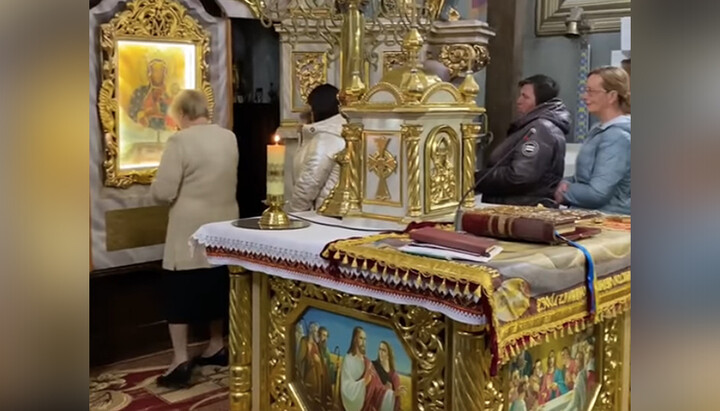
x=531 y=224
x=469 y=243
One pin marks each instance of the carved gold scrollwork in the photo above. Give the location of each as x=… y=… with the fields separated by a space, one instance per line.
x=473 y=387
x=411 y=136
x=421 y=330
x=459 y=58
x=240 y=340
x=146 y=20
x=470 y=134
x=611 y=390
x=442 y=174
x=393 y=60
x=309 y=71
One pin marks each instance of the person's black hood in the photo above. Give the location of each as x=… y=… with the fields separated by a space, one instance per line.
x=552 y=110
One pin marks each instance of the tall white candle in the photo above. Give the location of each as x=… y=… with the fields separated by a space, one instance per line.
x=275 y=167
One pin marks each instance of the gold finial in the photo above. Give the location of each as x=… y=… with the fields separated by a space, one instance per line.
x=469 y=88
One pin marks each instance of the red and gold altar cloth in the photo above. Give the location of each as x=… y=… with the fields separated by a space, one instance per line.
x=527 y=294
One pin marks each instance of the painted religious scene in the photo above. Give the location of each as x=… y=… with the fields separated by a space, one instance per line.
x=561 y=375
x=345 y=364
x=150 y=74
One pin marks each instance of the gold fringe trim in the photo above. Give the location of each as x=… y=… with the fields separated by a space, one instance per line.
x=557 y=329
x=536 y=328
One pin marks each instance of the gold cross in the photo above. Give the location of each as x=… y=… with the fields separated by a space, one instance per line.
x=383 y=164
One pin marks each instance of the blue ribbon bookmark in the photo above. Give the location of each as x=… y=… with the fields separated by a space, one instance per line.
x=590 y=273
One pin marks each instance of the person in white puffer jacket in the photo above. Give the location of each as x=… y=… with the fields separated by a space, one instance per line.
x=315 y=170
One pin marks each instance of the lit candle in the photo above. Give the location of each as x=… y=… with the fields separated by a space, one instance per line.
x=275 y=167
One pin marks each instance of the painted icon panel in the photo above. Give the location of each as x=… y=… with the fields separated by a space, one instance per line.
x=344 y=363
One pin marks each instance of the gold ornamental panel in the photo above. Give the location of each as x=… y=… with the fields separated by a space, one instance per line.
x=150 y=51
x=459 y=58
x=309 y=70
x=442 y=169
x=393 y=60
x=382 y=158
x=319 y=340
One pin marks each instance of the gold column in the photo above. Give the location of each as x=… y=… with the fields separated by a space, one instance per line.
x=411 y=136
x=351 y=53
x=470 y=134
x=240 y=339
x=473 y=389
x=345 y=197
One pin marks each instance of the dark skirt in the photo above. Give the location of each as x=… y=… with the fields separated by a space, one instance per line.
x=196 y=296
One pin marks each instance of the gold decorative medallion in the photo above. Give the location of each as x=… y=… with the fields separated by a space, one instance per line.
x=442 y=174
x=309 y=71
x=150 y=51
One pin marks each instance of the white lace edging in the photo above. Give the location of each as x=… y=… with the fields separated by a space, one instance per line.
x=253 y=247
x=447 y=310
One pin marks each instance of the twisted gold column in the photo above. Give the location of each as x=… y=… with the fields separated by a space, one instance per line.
x=411 y=135
x=353 y=139
x=240 y=339
x=470 y=134
x=473 y=389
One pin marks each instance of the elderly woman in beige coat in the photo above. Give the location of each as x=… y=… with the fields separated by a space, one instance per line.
x=197 y=176
x=315 y=170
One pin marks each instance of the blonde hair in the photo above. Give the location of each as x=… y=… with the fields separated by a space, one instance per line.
x=617 y=80
x=191 y=104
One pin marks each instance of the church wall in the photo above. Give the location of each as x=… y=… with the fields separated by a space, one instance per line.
x=558 y=56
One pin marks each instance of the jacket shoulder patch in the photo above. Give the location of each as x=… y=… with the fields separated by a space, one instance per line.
x=530 y=148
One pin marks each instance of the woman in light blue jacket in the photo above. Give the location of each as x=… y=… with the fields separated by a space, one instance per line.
x=602 y=169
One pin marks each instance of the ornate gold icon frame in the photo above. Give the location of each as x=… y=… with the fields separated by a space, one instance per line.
x=151 y=21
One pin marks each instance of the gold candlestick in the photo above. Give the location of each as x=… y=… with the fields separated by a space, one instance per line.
x=274 y=217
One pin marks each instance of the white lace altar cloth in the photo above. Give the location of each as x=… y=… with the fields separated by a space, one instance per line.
x=293 y=249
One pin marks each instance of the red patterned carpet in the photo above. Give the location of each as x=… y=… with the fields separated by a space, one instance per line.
x=130 y=386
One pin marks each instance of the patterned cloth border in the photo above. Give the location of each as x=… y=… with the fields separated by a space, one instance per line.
x=471 y=286
x=327 y=277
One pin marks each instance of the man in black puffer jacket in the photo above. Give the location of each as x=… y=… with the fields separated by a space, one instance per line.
x=531 y=165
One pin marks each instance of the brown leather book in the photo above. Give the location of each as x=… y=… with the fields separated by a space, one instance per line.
x=532 y=224
x=469 y=243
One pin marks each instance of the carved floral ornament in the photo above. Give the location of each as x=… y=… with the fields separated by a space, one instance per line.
x=309 y=71
x=161 y=21
x=459 y=58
